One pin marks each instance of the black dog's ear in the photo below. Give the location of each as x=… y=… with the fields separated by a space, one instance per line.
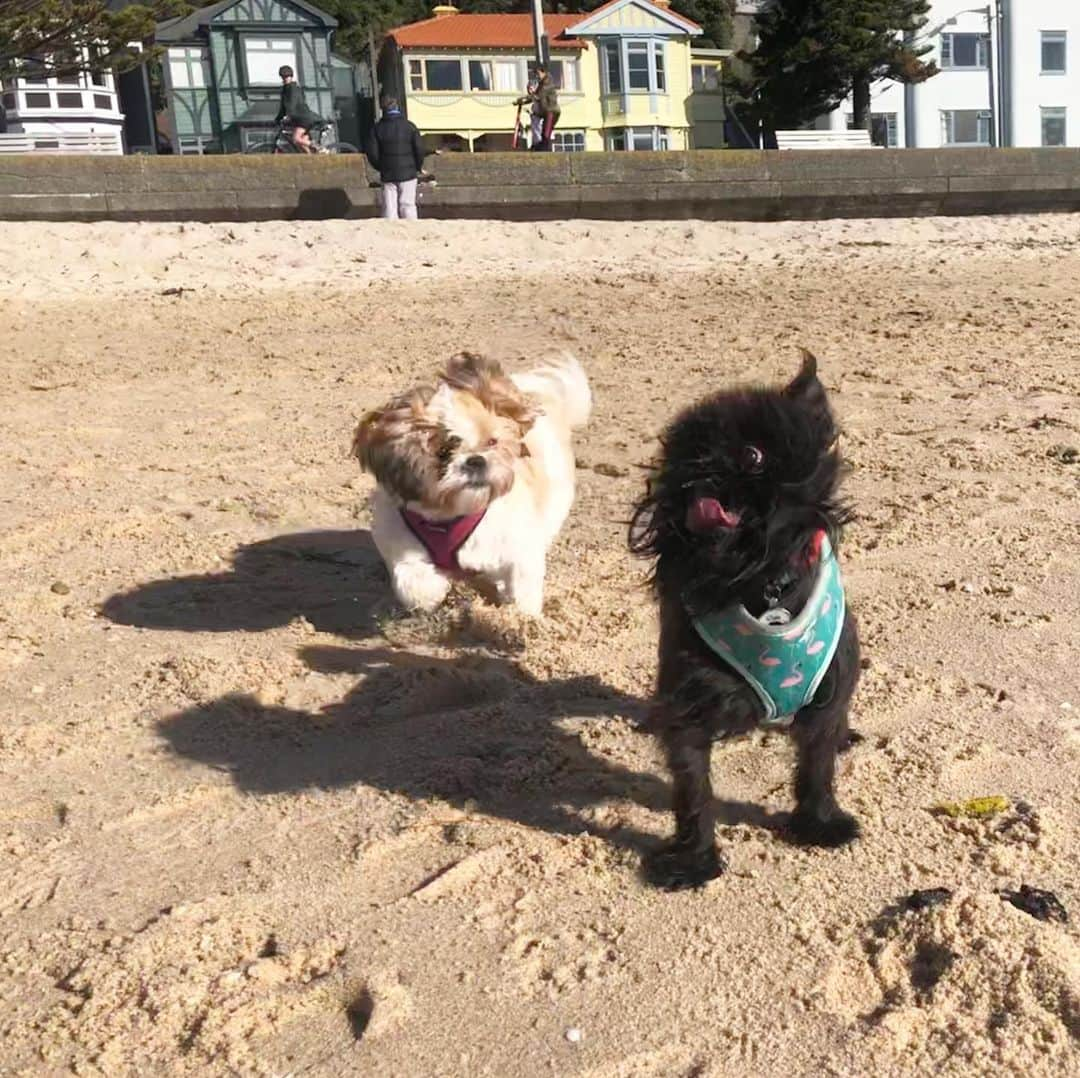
x=805 y=386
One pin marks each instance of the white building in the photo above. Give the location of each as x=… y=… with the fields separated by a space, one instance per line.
x=78 y=111
x=1010 y=76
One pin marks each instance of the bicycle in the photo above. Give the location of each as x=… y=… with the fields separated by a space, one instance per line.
x=281 y=141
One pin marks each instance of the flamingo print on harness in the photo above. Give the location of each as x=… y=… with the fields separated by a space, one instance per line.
x=783 y=664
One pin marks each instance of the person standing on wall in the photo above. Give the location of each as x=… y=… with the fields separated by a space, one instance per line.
x=396 y=152
x=548 y=97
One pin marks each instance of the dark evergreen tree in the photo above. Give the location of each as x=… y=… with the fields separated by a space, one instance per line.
x=812 y=54
x=58 y=35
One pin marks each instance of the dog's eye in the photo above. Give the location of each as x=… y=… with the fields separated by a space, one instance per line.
x=753 y=460
x=492 y=443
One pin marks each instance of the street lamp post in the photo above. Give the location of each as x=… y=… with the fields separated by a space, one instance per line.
x=542 y=56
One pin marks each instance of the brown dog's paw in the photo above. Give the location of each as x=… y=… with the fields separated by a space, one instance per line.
x=679 y=868
x=837 y=830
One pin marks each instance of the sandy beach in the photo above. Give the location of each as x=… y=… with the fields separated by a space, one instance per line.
x=253 y=821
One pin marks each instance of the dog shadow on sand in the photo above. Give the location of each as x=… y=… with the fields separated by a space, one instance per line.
x=476 y=730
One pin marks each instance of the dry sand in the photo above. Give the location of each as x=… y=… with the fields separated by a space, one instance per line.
x=254 y=822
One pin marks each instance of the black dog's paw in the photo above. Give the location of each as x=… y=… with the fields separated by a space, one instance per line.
x=836 y=830
x=679 y=868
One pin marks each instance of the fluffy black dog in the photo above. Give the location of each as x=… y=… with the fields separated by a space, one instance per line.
x=736 y=512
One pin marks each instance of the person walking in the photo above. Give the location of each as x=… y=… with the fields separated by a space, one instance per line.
x=548 y=97
x=396 y=152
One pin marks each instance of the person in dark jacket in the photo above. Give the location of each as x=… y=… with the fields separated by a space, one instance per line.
x=294 y=111
x=396 y=152
x=548 y=97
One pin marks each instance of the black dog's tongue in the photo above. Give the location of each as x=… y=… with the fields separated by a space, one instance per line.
x=707 y=514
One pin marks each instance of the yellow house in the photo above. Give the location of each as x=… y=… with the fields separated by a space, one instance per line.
x=623 y=72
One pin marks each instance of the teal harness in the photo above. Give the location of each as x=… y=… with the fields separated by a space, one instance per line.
x=782 y=659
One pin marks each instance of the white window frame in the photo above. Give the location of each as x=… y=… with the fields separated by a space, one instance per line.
x=1053 y=112
x=289 y=56
x=1053 y=37
x=564 y=65
x=948 y=123
x=982 y=52
x=655 y=51
x=709 y=69
x=560 y=138
x=415 y=71
x=622 y=138
x=191 y=58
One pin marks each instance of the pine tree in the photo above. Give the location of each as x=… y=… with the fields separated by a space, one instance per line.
x=813 y=54
x=57 y=36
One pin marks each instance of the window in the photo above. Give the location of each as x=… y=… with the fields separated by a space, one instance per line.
x=884 y=130
x=38 y=101
x=103 y=101
x=613 y=66
x=442 y=74
x=1053 y=52
x=568 y=141
x=564 y=74
x=97 y=78
x=68 y=80
x=1054 y=131
x=639 y=138
x=705 y=78
x=507 y=75
x=9 y=101
x=637 y=65
x=69 y=101
x=189 y=69
x=264 y=55
x=971 y=51
x=480 y=75
x=966 y=127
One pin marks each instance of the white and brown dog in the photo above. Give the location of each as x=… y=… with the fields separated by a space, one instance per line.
x=475 y=476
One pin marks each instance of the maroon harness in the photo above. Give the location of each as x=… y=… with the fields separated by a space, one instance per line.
x=442 y=538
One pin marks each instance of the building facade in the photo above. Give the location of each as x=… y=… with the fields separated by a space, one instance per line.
x=1009 y=76
x=220 y=70
x=623 y=73
x=47 y=108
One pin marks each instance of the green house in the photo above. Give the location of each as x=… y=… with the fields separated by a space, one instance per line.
x=220 y=72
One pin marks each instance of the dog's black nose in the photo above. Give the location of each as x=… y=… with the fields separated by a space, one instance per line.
x=475 y=463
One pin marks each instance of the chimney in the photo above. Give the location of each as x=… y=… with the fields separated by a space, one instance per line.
x=443 y=11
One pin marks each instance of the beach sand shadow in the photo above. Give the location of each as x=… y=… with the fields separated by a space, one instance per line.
x=334 y=579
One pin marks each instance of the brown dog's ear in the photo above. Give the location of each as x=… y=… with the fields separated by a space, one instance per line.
x=805 y=386
x=484 y=379
x=392 y=443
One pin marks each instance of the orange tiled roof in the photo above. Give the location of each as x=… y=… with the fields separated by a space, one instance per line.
x=484 y=32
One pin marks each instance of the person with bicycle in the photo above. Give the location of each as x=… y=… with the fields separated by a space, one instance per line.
x=396 y=152
x=548 y=98
x=294 y=111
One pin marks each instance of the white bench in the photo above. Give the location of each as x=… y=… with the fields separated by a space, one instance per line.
x=823 y=140
x=65 y=142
